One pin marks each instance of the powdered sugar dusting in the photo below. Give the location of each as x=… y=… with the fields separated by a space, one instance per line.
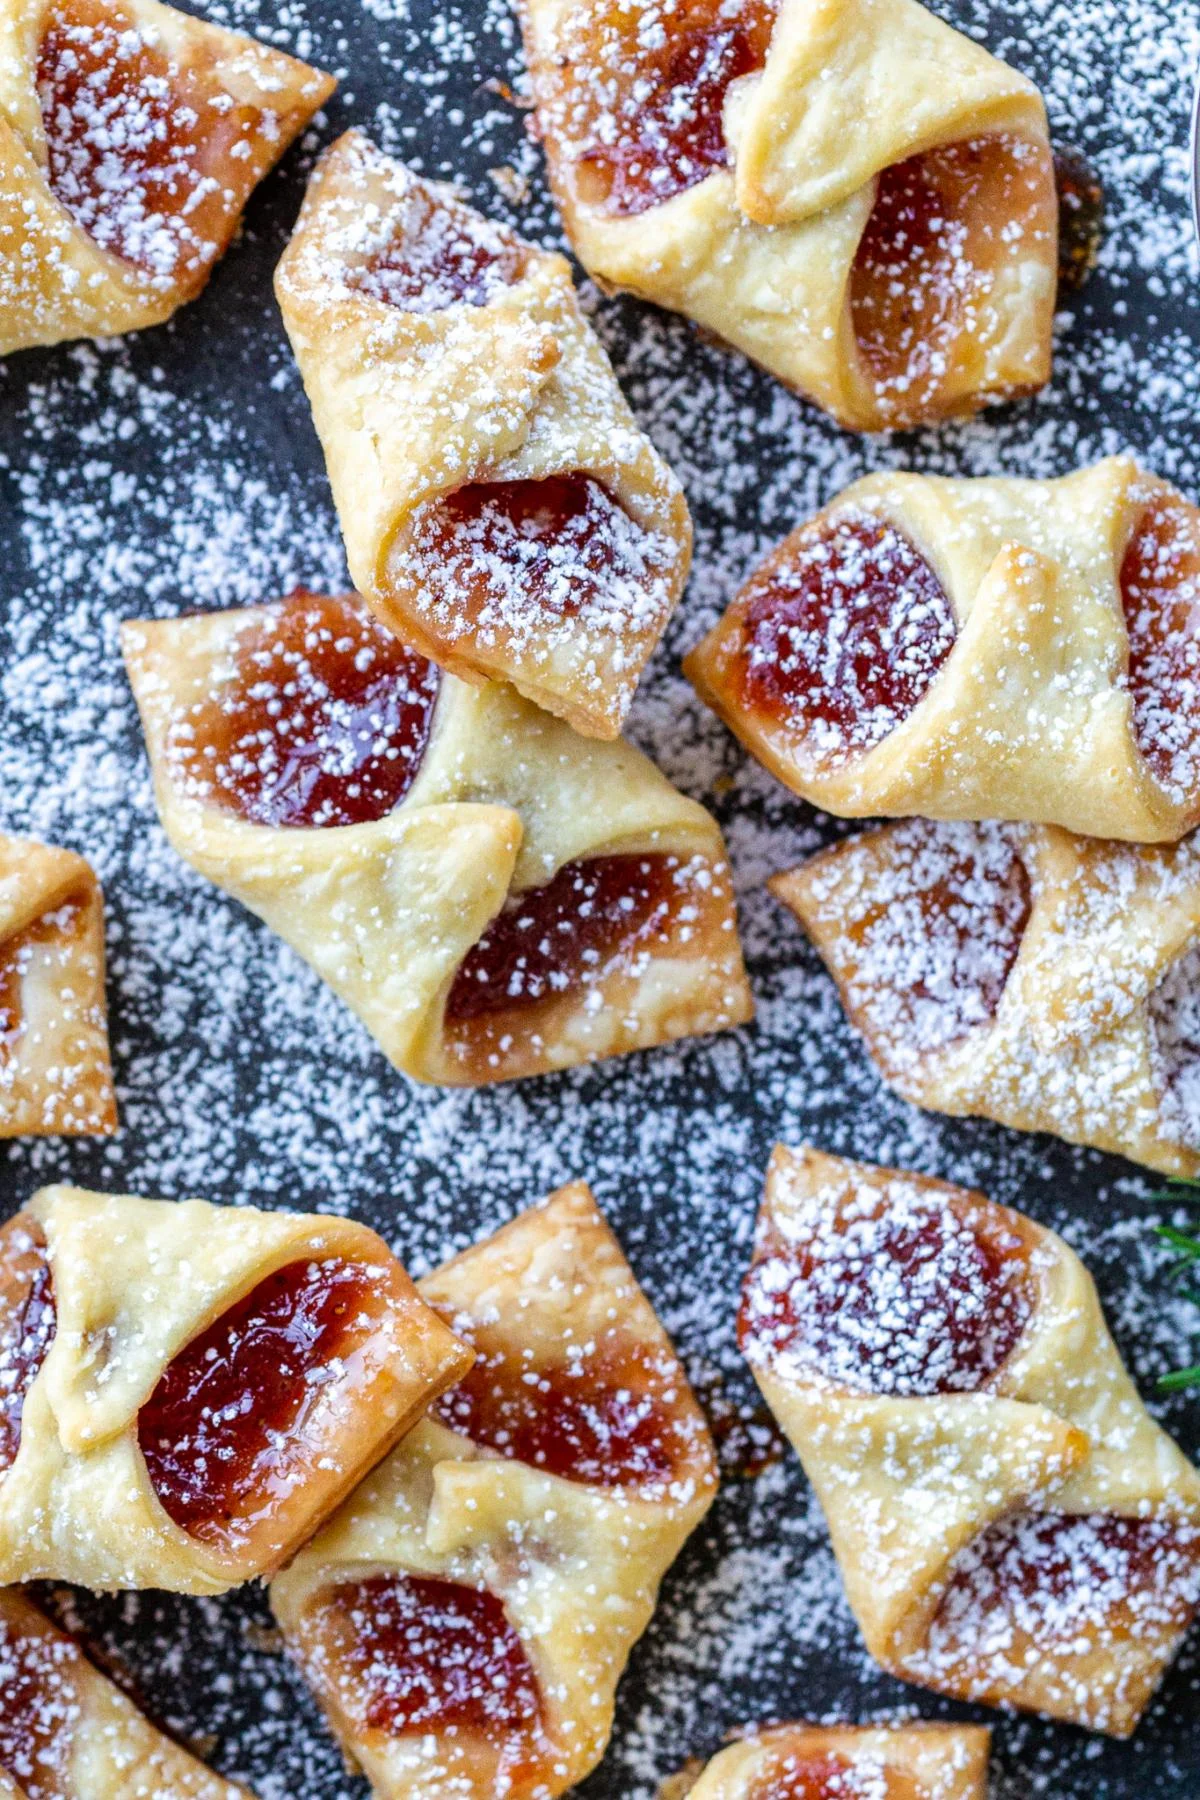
x=177 y=469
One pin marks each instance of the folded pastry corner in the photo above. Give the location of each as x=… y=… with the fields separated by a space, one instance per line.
x=187 y=1391
x=1020 y=974
x=977 y=649
x=502 y=510
x=55 y=1072
x=68 y=1733
x=1011 y=1525
x=465 y=1618
x=843 y=1762
x=131 y=136
x=854 y=194
x=494 y=895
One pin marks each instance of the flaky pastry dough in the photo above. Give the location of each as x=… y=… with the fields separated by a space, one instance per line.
x=575 y=1559
x=756 y=170
x=440 y=352
x=1020 y=974
x=72 y=1734
x=1010 y=1523
x=887 y=1762
x=132 y=1284
x=1028 y=646
x=504 y=799
x=55 y=1073
x=131 y=136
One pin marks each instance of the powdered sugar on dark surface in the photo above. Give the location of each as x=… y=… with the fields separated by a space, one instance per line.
x=178 y=470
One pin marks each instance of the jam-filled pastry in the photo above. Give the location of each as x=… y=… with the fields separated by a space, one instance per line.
x=849 y=1762
x=465 y=1618
x=991 y=649
x=187 y=1391
x=131 y=137
x=494 y=895
x=1011 y=1525
x=1021 y=974
x=55 y=1073
x=502 y=510
x=69 y=1733
x=850 y=191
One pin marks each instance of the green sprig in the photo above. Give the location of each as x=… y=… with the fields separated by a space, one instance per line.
x=1184 y=1276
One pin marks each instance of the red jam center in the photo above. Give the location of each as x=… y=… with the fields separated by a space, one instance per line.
x=600 y=1418
x=324 y=723
x=936 y=940
x=140 y=151
x=592 y=920
x=497 y=556
x=19 y=955
x=1160 y=591
x=942 y=222
x=441 y=256
x=671 y=72
x=27 y=1324
x=844 y=630
x=1067 y=1580
x=224 y=1433
x=422 y=1655
x=832 y=1777
x=904 y=1297
x=39 y=1705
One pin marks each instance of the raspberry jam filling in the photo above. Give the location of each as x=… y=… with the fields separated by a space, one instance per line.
x=230 y=1433
x=27 y=1324
x=670 y=75
x=1160 y=592
x=843 y=631
x=944 y=223
x=930 y=948
x=418 y=1655
x=442 y=256
x=1174 y=1013
x=893 y=1294
x=1068 y=1584
x=39 y=1704
x=325 y=721
x=602 y=1416
x=593 y=921
x=832 y=1777
x=140 y=150
x=21 y=955
x=499 y=558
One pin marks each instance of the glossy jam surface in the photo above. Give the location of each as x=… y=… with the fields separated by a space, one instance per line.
x=602 y=1416
x=324 y=722
x=1068 y=1583
x=21 y=954
x=843 y=631
x=141 y=151
x=828 y=1776
x=942 y=224
x=649 y=110
x=592 y=920
x=896 y=1294
x=1160 y=591
x=224 y=1433
x=502 y=559
x=930 y=924
x=39 y=1709
x=414 y=1654
x=1080 y=218
x=27 y=1324
x=442 y=256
